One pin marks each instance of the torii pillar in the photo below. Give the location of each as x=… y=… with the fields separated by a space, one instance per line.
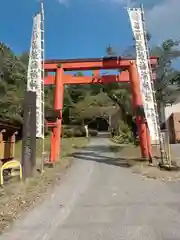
x=58 y=106
x=143 y=131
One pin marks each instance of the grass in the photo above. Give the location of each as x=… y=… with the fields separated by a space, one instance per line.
x=68 y=145
x=18 y=147
x=17 y=197
x=131 y=155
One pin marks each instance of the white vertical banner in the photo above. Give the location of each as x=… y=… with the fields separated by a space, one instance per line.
x=34 y=71
x=135 y=15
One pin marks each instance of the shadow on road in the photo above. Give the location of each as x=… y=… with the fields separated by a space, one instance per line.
x=100 y=148
x=97 y=153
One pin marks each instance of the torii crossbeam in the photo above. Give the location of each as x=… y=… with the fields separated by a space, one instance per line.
x=123 y=77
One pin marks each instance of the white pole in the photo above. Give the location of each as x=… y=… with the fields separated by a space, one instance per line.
x=42 y=85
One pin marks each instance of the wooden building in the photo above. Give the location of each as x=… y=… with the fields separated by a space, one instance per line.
x=8 y=134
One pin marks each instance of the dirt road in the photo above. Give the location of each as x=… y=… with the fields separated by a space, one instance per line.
x=98 y=200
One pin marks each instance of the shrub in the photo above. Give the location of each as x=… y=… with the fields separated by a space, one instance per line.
x=68 y=133
x=72 y=131
x=78 y=132
x=123 y=133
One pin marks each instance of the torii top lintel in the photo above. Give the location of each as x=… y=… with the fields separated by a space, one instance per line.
x=91 y=63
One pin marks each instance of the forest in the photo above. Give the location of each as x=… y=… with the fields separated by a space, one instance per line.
x=85 y=101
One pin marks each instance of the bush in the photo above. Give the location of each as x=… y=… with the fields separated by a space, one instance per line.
x=76 y=131
x=72 y=131
x=68 y=133
x=123 y=133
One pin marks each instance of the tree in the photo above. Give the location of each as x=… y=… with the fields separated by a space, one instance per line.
x=94 y=106
x=116 y=93
x=122 y=97
x=166 y=76
x=12 y=85
x=13 y=77
x=24 y=58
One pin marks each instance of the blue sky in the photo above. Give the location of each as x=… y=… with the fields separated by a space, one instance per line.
x=83 y=28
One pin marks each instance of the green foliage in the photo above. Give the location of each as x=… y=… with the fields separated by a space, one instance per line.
x=166 y=80
x=13 y=78
x=76 y=131
x=93 y=106
x=73 y=131
x=79 y=74
x=123 y=134
x=12 y=84
x=123 y=98
x=84 y=100
x=167 y=77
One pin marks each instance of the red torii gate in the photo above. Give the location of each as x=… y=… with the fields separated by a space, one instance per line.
x=129 y=74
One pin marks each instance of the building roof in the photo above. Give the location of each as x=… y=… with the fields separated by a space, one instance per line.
x=9 y=126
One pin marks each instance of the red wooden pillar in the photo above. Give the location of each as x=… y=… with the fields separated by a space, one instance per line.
x=137 y=103
x=58 y=106
x=52 y=147
x=59 y=90
x=58 y=137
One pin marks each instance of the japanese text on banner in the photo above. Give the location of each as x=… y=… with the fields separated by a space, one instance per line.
x=135 y=16
x=34 y=71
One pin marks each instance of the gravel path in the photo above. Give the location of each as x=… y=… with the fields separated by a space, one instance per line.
x=97 y=200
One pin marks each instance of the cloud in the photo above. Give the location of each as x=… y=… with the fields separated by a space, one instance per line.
x=64 y=2
x=163 y=20
x=136 y=3
x=162 y=16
